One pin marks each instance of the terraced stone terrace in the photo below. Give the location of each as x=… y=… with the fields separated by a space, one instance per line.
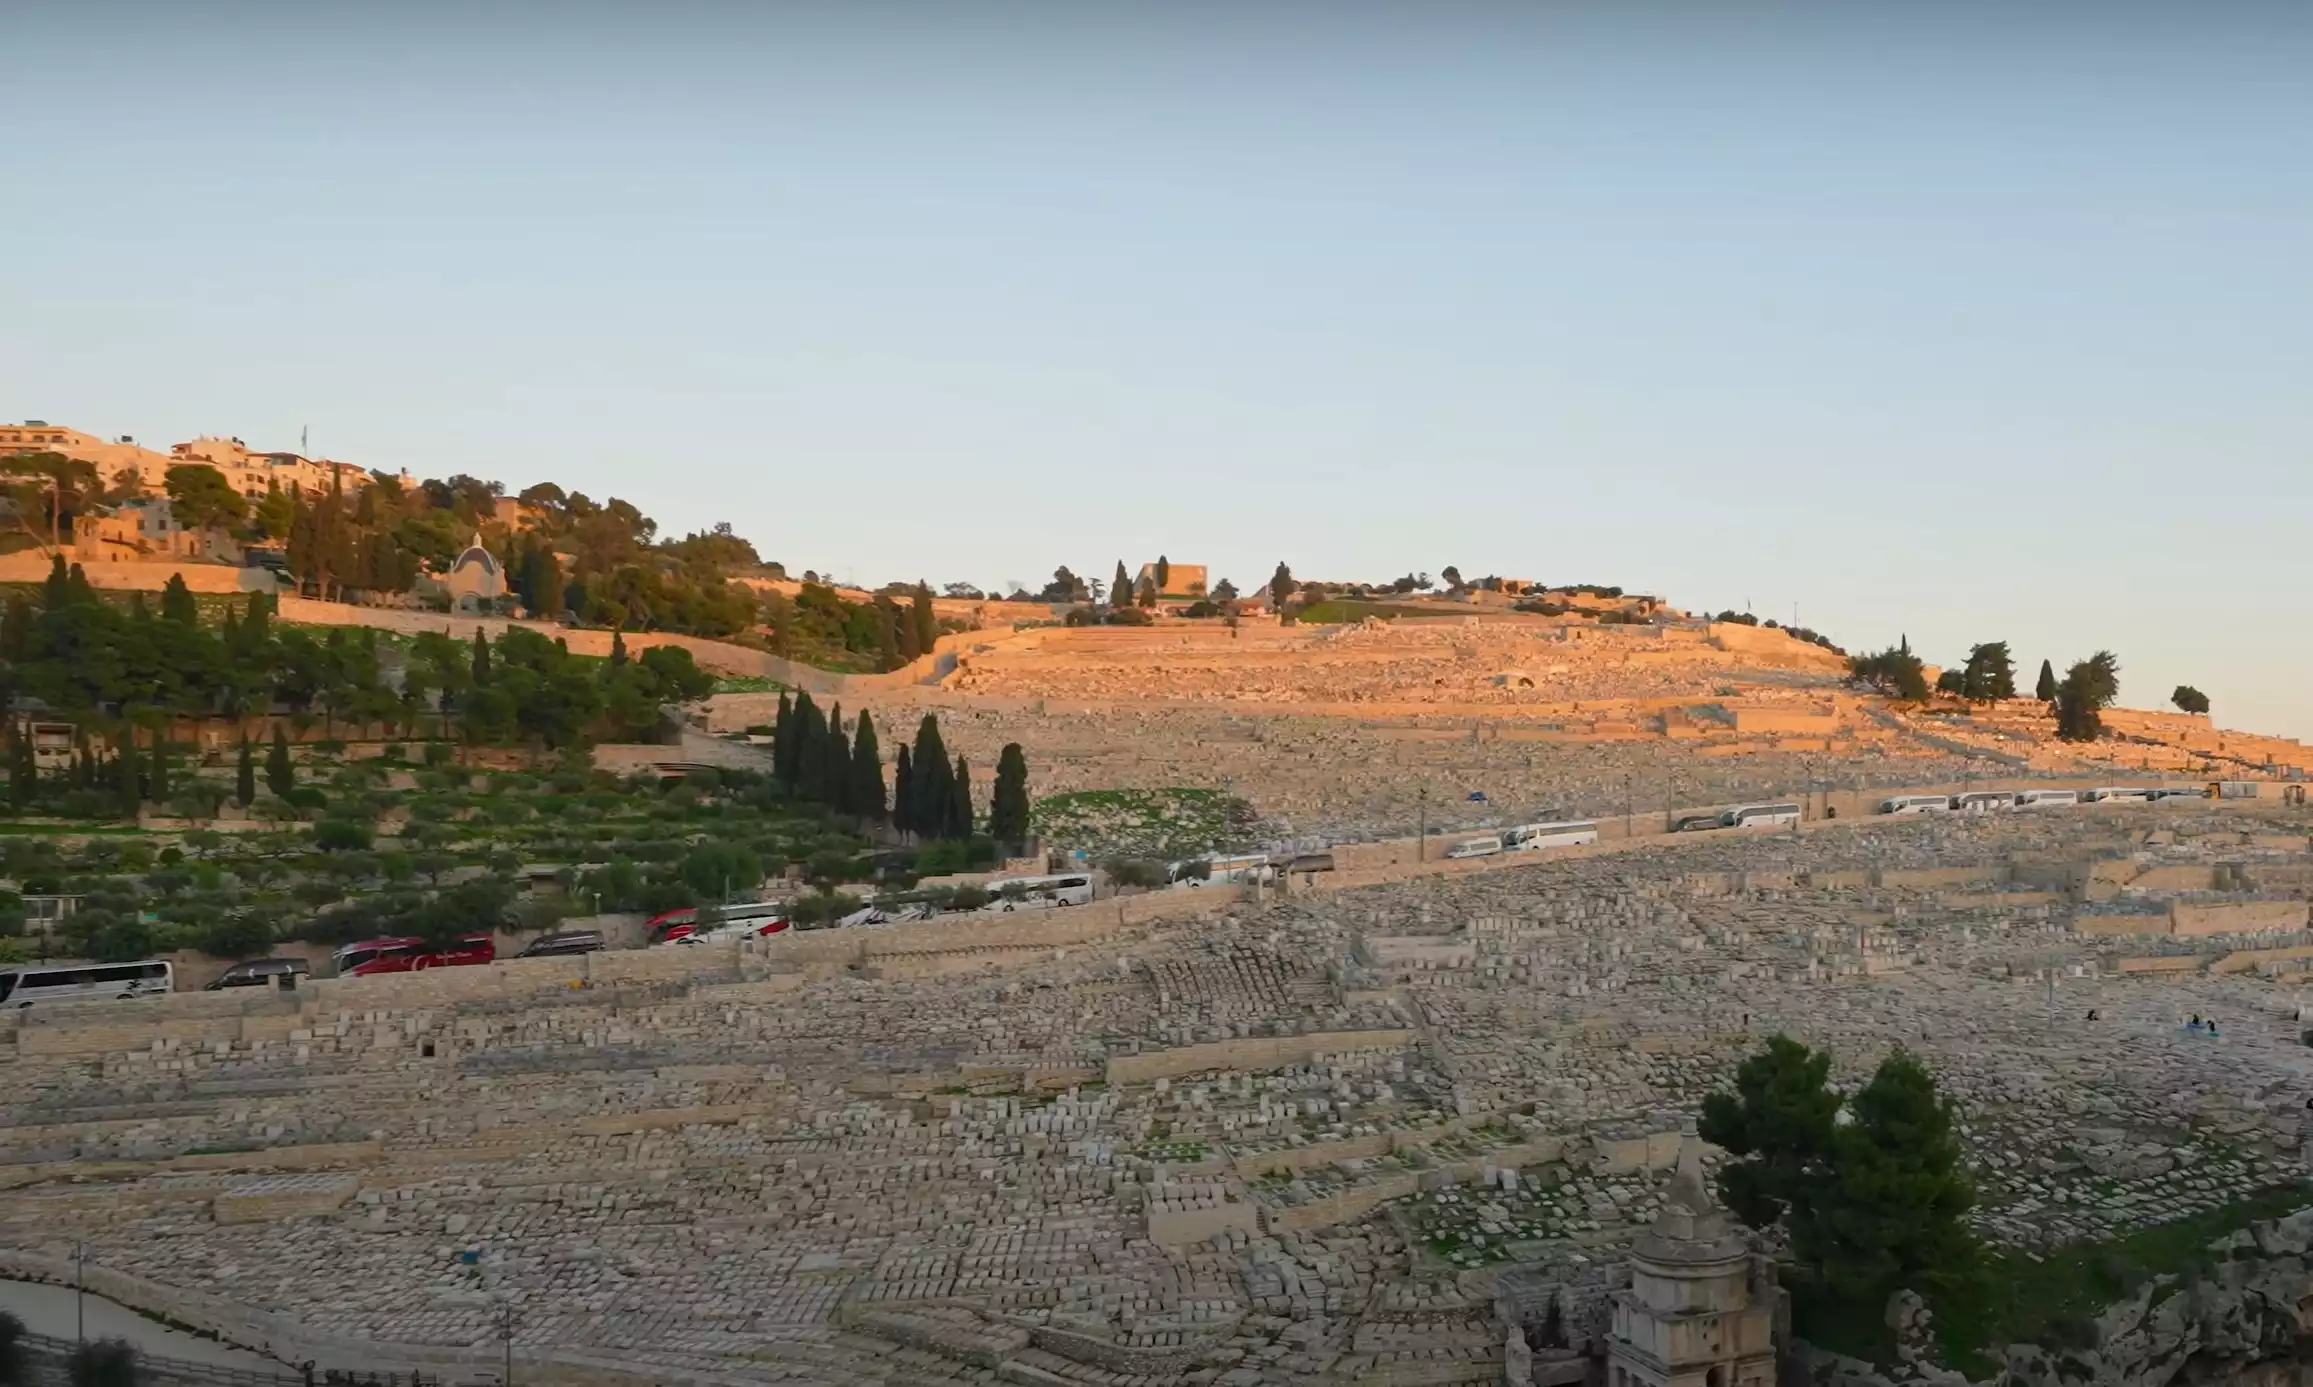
x=1312 y=1140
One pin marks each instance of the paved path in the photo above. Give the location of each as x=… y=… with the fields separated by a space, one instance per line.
x=49 y=1310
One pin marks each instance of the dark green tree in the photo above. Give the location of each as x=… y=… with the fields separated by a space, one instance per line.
x=1778 y=1121
x=1953 y=681
x=106 y=1362
x=245 y=774
x=927 y=625
x=1281 y=586
x=2189 y=699
x=280 y=775
x=2046 y=689
x=1120 y=587
x=783 y=741
x=23 y=770
x=128 y=775
x=933 y=788
x=14 y=1370
x=867 y=798
x=2088 y=688
x=835 y=773
x=1990 y=672
x=903 y=799
x=1896 y=673
x=960 y=801
x=618 y=656
x=895 y=635
x=801 y=742
x=1892 y=1212
x=1164 y=572
x=1008 y=805
x=158 y=786
x=177 y=602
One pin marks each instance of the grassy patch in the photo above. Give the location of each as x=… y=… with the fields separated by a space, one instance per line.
x=1169 y=823
x=2051 y=1301
x=1335 y=611
x=747 y=683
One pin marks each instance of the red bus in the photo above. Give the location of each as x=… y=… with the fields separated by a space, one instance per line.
x=754 y=918
x=409 y=953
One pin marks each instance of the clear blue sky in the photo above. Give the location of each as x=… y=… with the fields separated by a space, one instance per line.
x=1958 y=320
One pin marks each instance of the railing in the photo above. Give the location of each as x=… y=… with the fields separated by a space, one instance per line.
x=161 y=1371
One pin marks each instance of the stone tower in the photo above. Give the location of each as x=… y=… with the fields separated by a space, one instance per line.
x=1701 y=1308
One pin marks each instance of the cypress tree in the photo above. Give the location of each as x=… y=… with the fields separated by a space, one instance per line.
x=618 y=648
x=481 y=658
x=245 y=775
x=280 y=776
x=126 y=777
x=546 y=595
x=926 y=623
x=960 y=801
x=867 y=772
x=1120 y=588
x=783 y=741
x=56 y=590
x=1164 y=573
x=895 y=634
x=177 y=602
x=1008 y=806
x=933 y=776
x=83 y=760
x=2046 y=690
x=903 y=803
x=160 y=781
x=799 y=740
x=76 y=588
x=835 y=764
x=19 y=760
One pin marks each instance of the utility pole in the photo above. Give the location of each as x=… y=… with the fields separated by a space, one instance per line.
x=1422 y=831
x=80 y=1291
x=508 y=1318
x=1629 y=803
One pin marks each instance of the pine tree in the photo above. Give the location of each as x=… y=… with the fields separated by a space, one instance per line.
x=783 y=742
x=245 y=775
x=1008 y=806
x=1892 y=1213
x=960 y=801
x=903 y=802
x=481 y=658
x=927 y=625
x=2045 y=691
x=177 y=602
x=867 y=772
x=1779 y=1121
x=280 y=776
x=934 y=777
x=1120 y=587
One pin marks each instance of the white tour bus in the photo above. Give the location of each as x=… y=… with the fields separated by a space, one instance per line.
x=1222 y=871
x=1036 y=893
x=1759 y=816
x=2117 y=794
x=1983 y=801
x=1535 y=837
x=2046 y=799
x=1476 y=847
x=85 y=982
x=1916 y=804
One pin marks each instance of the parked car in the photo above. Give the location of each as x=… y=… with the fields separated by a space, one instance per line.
x=569 y=941
x=260 y=972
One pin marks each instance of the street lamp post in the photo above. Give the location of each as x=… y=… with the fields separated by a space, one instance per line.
x=80 y=1291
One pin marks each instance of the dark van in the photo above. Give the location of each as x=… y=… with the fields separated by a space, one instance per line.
x=260 y=972
x=575 y=941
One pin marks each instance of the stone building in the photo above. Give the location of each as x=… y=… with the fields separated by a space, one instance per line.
x=476 y=582
x=1702 y=1307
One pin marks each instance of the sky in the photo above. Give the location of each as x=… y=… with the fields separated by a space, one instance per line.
x=1960 y=322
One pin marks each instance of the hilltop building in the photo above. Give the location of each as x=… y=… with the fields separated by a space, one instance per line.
x=1181 y=579
x=250 y=472
x=475 y=584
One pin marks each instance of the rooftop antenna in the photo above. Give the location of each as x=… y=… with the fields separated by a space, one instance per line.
x=305 y=440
